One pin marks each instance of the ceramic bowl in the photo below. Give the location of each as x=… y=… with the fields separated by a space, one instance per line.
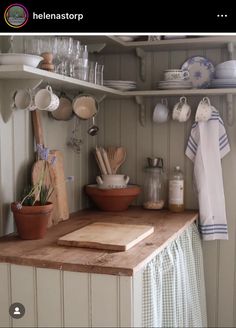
x=112 y=199
x=20 y=59
x=228 y=64
x=225 y=73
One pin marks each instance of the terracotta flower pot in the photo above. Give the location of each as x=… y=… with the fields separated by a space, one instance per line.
x=32 y=221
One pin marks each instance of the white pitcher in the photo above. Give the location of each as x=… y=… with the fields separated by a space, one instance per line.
x=112 y=181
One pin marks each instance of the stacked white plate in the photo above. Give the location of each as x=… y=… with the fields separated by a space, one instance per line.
x=121 y=85
x=223 y=83
x=174 y=84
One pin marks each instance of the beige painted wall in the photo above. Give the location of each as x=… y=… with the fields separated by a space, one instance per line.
x=119 y=125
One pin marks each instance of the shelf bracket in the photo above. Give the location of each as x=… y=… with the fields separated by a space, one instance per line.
x=230 y=109
x=142 y=110
x=142 y=62
x=100 y=98
x=96 y=47
x=8 y=89
x=230 y=47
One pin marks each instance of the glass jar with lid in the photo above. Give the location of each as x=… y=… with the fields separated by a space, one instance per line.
x=154 y=185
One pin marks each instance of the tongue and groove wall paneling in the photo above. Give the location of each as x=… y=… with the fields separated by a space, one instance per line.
x=129 y=118
x=160 y=131
x=7 y=159
x=24 y=294
x=177 y=129
x=227 y=249
x=76 y=299
x=50 y=298
x=211 y=249
x=191 y=201
x=5 y=302
x=144 y=133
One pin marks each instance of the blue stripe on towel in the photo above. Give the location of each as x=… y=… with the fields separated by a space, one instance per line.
x=223 y=140
x=190 y=147
x=214 y=233
x=222 y=136
x=192 y=144
x=214 y=229
x=224 y=144
x=215 y=224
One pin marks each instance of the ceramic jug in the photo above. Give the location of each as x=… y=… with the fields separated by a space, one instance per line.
x=112 y=181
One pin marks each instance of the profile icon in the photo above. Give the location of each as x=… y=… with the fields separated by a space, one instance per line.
x=17 y=311
x=16 y=15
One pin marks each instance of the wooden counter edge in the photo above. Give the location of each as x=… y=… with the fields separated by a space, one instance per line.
x=96 y=268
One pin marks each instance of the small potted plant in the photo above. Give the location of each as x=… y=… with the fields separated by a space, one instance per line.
x=33 y=211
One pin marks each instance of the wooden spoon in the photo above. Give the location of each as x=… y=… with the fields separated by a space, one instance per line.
x=116 y=156
x=120 y=156
x=111 y=150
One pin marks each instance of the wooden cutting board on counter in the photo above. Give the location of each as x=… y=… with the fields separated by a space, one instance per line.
x=103 y=235
x=56 y=177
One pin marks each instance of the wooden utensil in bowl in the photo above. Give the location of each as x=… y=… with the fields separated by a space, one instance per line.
x=116 y=156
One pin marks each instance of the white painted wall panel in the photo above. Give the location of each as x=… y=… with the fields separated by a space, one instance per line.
x=5 y=297
x=23 y=290
x=104 y=300
x=76 y=299
x=137 y=299
x=49 y=298
x=126 y=301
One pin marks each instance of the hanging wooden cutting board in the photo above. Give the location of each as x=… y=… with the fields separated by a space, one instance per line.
x=103 y=235
x=55 y=178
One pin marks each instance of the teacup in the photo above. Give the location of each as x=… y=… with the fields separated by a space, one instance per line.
x=112 y=181
x=161 y=112
x=204 y=110
x=45 y=99
x=182 y=110
x=24 y=99
x=176 y=74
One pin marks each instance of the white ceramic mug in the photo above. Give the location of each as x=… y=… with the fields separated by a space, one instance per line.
x=112 y=181
x=182 y=110
x=85 y=106
x=176 y=74
x=161 y=112
x=204 y=110
x=24 y=99
x=45 y=99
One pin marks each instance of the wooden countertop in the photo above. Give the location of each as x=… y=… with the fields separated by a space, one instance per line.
x=45 y=253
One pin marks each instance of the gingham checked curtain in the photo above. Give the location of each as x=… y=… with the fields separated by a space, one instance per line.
x=173 y=285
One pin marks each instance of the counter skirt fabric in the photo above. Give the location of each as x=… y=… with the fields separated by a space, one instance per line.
x=207 y=145
x=173 y=285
